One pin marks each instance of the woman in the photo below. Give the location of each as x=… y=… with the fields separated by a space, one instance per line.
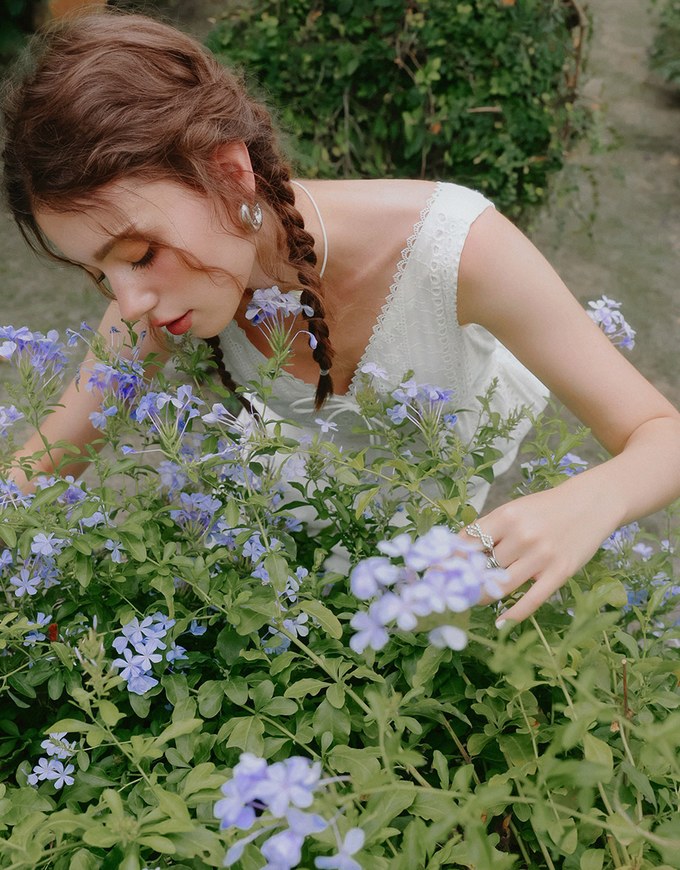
x=133 y=155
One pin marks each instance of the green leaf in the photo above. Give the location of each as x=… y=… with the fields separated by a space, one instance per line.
x=110 y=713
x=158 y=844
x=327 y=620
x=229 y=645
x=70 y=726
x=8 y=535
x=277 y=568
x=210 y=697
x=598 y=752
x=177 y=729
x=280 y=706
x=592 y=859
x=305 y=688
x=49 y=495
x=328 y=719
x=382 y=808
x=247 y=734
x=435 y=806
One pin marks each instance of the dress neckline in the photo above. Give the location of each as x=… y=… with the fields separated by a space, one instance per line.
x=395 y=285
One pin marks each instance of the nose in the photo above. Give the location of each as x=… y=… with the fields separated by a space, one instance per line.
x=135 y=297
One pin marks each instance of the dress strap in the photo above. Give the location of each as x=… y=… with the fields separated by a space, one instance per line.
x=321 y=224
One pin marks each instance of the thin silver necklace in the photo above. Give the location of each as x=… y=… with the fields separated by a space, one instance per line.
x=321 y=224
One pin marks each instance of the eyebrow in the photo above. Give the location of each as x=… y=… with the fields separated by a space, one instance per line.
x=128 y=232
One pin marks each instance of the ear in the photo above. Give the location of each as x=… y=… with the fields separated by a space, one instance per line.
x=233 y=159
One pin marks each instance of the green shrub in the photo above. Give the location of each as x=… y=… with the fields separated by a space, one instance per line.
x=163 y=620
x=664 y=57
x=480 y=92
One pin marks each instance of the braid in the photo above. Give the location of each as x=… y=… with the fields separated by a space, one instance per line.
x=226 y=378
x=274 y=171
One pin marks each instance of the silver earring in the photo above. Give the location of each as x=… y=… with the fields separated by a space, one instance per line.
x=251 y=217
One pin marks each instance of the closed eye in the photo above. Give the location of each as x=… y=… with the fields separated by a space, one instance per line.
x=146 y=260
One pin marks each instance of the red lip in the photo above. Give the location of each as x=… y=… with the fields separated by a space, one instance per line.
x=179 y=326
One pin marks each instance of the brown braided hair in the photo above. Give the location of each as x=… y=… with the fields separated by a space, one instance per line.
x=113 y=95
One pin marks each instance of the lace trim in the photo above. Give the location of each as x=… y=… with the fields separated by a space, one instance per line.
x=396 y=282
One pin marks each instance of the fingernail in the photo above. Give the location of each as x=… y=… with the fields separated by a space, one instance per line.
x=500 y=623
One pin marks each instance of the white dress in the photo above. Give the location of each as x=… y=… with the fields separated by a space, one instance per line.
x=417 y=330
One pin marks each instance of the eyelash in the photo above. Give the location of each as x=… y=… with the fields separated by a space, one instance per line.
x=146 y=260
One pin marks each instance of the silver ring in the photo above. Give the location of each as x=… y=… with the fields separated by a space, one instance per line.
x=487 y=542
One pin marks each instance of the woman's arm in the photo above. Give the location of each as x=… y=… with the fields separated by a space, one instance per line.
x=70 y=422
x=508 y=287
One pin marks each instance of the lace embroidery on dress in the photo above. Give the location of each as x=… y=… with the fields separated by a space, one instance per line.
x=404 y=258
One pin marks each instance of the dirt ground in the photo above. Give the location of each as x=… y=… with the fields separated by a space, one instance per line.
x=630 y=250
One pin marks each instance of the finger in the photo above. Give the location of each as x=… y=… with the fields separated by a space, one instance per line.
x=516 y=575
x=533 y=598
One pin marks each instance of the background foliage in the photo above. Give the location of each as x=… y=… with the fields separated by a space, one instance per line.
x=665 y=52
x=480 y=92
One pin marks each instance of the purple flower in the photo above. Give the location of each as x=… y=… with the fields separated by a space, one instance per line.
x=371 y=574
x=139 y=684
x=47 y=545
x=99 y=419
x=272 y=303
x=116 y=549
x=448 y=636
x=352 y=843
x=605 y=313
x=45 y=769
x=290 y=783
x=283 y=851
x=369 y=632
x=196 y=628
x=370 y=368
x=57 y=746
x=397 y=414
x=326 y=426
x=63 y=774
x=130 y=664
x=8 y=416
x=25 y=582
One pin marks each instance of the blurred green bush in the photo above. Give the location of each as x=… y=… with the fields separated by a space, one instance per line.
x=481 y=92
x=664 y=56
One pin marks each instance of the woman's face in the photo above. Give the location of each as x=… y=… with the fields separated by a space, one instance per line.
x=123 y=237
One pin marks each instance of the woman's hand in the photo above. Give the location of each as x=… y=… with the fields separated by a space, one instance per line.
x=544 y=539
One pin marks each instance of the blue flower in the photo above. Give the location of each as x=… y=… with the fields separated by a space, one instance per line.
x=99 y=419
x=375 y=370
x=283 y=851
x=116 y=549
x=25 y=583
x=47 y=545
x=326 y=426
x=352 y=843
x=196 y=628
x=605 y=313
x=369 y=632
x=8 y=416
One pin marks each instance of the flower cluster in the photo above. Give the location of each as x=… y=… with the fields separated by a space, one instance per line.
x=605 y=312
x=272 y=303
x=569 y=464
x=8 y=417
x=52 y=768
x=44 y=353
x=283 y=791
x=269 y=308
x=438 y=573
x=422 y=404
x=140 y=645
x=37 y=571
